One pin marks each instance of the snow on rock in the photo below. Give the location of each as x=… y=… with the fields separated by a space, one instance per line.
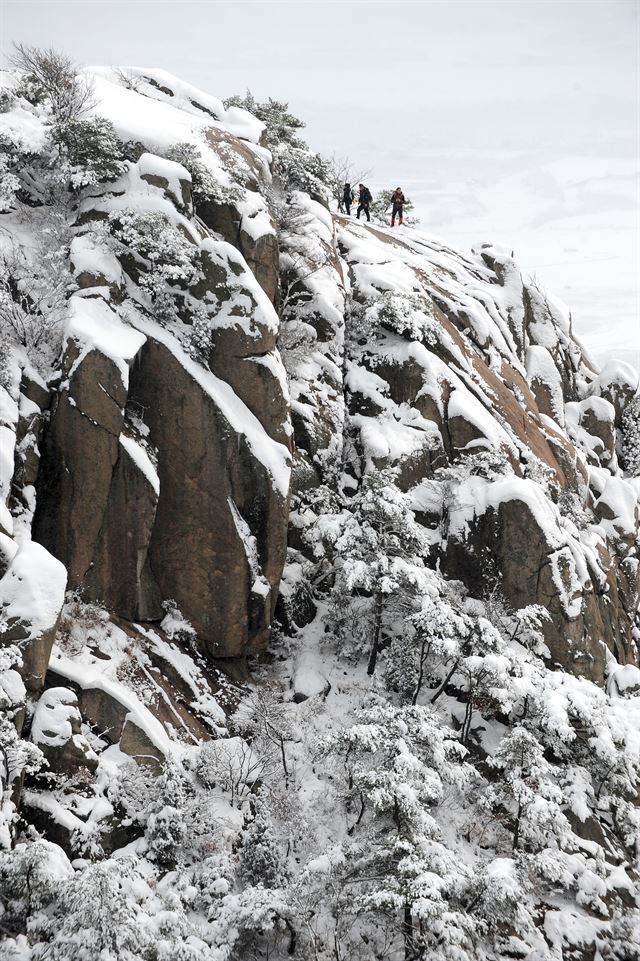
x=274 y=456
x=128 y=373
x=93 y=265
x=308 y=679
x=31 y=598
x=141 y=458
x=134 y=711
x=56 y=717
x=96 y=326
x=618 y=509
x=624 y=681
x=184 y=99
x=546 y=382
x=171 y=176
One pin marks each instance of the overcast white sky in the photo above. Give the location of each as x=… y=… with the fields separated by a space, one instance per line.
x=506 y=120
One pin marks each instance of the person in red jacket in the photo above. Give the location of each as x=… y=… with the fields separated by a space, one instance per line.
x=398 y=202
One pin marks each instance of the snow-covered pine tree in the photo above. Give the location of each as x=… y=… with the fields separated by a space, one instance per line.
x=377 y=548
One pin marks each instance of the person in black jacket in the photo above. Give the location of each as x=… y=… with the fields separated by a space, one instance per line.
x=364 y=200
x=347 y=198
x=398 y=202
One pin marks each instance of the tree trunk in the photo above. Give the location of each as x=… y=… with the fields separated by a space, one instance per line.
x=444 y=683
x=424 y=653
x=466 y=724
x=516 y=828
x=377 y=631
x=407 y=933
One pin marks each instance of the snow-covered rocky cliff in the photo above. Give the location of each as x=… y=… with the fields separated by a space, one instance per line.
x=319 y=564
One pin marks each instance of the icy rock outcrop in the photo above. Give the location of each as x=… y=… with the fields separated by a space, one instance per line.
x=617 y=382
x=219 y=535
x=159 y=464
x=164 y=476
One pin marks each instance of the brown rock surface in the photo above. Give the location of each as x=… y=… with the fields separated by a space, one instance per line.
x=79 y=453
x=120 y=576
x=197 y=554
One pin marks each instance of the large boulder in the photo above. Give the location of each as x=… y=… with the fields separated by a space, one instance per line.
x=546 y=383
x=219 y=536
x=56 y=731
x=246 y=223
x=81 y=445
x=507 y=529
x=164 y=478
x=593 y=422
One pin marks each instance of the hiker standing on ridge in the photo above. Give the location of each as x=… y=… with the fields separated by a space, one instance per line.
x=347 y=198
x=364 y=200
x=398 y=202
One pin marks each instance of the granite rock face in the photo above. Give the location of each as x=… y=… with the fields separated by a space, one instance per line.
x=165 y=468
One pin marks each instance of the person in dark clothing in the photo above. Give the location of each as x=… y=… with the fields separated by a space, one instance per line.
x=347 y=198
x=364 y=200
x=398 y=202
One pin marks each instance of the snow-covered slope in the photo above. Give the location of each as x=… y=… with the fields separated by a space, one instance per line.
x=318 y=565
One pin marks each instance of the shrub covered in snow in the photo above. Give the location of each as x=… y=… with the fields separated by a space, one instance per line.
x=295 y=167
x=164 y=259
x=52 y=76
x=89 y=151
x=410 y=315
x=205 y=187
x=630 y=439
x=34 y=288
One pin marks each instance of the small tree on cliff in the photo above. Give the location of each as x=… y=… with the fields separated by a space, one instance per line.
x=377 y=549
x=397 y=763
x=526 y=792
x=295 y=167
x=52 y=76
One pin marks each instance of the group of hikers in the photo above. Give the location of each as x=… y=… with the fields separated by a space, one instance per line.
x=364 y=202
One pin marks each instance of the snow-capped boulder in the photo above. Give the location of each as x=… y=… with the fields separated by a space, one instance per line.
x=93 y=266
x=617 y=383
x=172 y=178
x=245 y=221
x=308 y=679
x=593 y=421
x=56 y=731
x=135 y=742
x=248 y=226
x=31 y=597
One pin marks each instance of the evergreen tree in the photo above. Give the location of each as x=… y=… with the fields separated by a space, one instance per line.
x=377 y=548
